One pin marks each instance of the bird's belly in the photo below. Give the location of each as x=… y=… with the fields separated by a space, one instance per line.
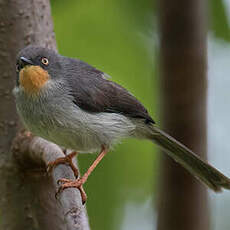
x=71 y=127
x=73 y=139
x=63 y=133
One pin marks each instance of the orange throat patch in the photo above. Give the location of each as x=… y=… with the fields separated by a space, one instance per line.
x=33 y=78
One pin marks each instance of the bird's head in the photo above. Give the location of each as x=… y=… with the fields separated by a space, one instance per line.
x=35 y=67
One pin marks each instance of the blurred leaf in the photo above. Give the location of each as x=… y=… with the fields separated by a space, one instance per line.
x=219 y=20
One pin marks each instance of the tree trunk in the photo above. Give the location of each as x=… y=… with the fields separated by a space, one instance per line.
x=27 y=192
x=183 y=199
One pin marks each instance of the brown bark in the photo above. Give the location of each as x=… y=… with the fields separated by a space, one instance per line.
x=183 y=199
x=27 y=192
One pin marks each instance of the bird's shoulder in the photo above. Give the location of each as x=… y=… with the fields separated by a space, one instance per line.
x=78 y=68
x=94 y=92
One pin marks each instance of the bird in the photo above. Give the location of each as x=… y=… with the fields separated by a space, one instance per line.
x=73 y=104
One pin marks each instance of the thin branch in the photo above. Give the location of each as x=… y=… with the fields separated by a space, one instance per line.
x=35 y=150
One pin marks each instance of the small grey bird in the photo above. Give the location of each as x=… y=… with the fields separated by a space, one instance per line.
x=74 y=105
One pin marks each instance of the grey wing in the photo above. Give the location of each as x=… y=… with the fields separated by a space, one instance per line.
x=92 y=92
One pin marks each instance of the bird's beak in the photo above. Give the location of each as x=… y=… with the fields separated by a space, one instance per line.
x=25 y=61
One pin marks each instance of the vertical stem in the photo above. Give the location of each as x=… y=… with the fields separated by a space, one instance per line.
x=183 y=200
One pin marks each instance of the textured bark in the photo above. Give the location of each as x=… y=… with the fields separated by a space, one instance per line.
x=183 y=199
x=27 y=192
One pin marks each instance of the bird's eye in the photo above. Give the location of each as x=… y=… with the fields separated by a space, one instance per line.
x=45 y=61
x=17 y=67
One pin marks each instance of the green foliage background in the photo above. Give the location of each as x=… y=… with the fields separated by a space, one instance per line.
x=117 y=38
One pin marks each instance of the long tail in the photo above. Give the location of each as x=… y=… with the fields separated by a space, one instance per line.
x=196 y=166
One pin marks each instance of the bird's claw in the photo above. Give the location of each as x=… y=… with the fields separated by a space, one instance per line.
x=63 y=180
x=64 y=160
x=72 y=184
x=49 y=168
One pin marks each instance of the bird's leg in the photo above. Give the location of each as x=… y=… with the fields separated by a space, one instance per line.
x=79 y=182
x=64 y=160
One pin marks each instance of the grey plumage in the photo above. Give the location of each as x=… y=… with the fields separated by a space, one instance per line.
x=68 y=125
x=94 y=93
x=79 y=108
x=193 y=163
